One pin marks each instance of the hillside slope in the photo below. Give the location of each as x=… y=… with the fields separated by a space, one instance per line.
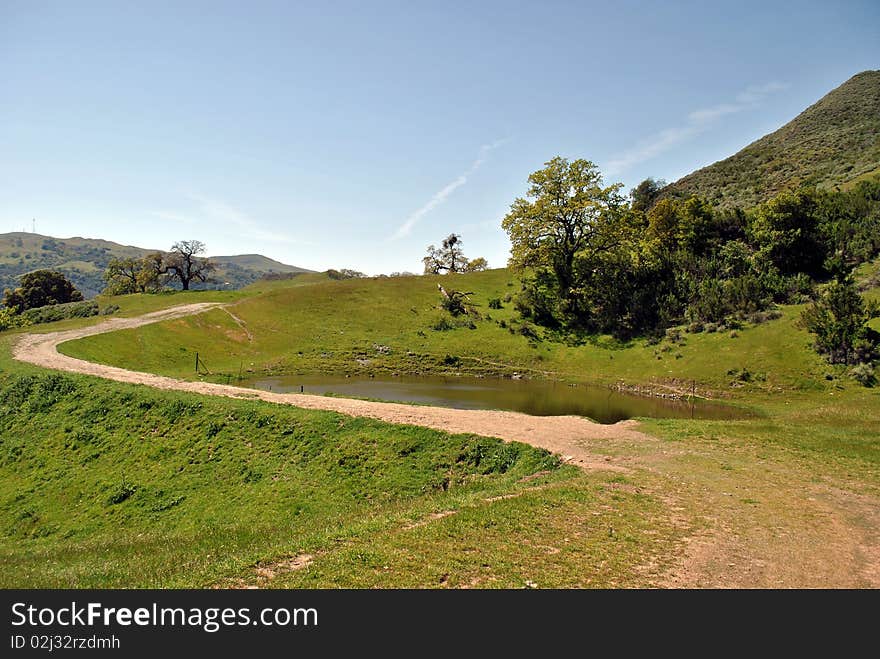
x=832 y=142
x=83 y=261
x=256 y=263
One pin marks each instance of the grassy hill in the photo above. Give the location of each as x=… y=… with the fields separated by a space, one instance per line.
x=385 y=326
x=83 y=261
x=833 y=142
x=103 y=484
x=257 y=263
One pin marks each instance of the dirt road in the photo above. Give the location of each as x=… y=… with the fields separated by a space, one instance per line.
x=565 y=435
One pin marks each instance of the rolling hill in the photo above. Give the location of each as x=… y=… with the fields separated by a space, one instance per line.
x=832 y=143
x=83 y=261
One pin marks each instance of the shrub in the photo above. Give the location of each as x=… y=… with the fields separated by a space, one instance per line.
x=838 y=320
x=863 y=374
x=345 y=273
x=451 y=360
x=443 y=324
x=695 y=327
x=527 y=330
x=800 y=288
x=120 y=493
x=495 y=303
x=56 y=312
x=453 y=304
x=8 y=319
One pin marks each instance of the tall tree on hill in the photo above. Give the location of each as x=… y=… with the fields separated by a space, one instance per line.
x=39 y=289
x=567 y=220
x=121 y=276
x=131 y=275
x=449 y=257
x=152 y=272
x=185 y=265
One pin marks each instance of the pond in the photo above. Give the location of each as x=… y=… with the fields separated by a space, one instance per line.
x=536 y=397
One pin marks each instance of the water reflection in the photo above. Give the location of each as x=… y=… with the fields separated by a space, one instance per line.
x=534 y=397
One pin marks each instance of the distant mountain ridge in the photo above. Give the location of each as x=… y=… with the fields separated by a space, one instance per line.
x=83 y=261
x=832 y=143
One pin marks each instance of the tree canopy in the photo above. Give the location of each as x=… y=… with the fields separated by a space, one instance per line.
x=184 y=264
x=566 y=218
x=39 y=289
x=449 y=257
x=591 y=262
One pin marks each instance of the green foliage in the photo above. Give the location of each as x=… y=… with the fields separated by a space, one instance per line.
x=449 y=257
x=590 y=263
x=9 y=319
x=566 y=223
x=121 y=492
x=838 y=319
x=121 y=276
x=646 y=193
x=477 y=265
x=129 y=275
x=864 y=375
x=344 y=273
x=443 y=324
x=41 y=288
x=786 y=230
x=457 y=303
x=56 y=312
x=495 y=303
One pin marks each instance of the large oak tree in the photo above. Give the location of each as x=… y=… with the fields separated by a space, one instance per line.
x=185 y=265
x=566 y=217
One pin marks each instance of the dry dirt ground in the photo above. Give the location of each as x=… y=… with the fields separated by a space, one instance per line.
x=759 y=523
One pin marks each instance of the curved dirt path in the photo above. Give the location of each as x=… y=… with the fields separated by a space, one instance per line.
x=565 y=435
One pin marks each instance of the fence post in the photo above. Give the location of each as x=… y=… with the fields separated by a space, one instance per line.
x=693 y=393
x=197 y=362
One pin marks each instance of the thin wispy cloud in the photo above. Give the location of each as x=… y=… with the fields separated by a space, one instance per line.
x=218 y=212
x=173 y=217
x=441 y=195
x=696 y=122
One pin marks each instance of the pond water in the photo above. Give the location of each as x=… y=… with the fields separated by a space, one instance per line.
x=536 y=397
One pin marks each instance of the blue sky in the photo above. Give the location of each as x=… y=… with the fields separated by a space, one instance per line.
x=353 y=134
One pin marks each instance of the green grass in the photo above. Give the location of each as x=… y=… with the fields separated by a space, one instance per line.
x=103 y=484
x=109 y=485
x=802 y=401
x=298 y=329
